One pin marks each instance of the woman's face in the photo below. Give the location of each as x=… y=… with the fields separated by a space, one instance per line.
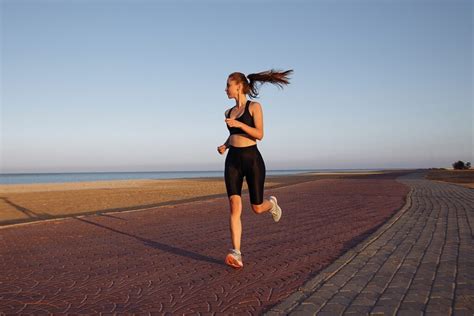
x=232 y=89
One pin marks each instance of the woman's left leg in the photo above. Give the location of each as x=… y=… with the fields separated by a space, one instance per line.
x=265 y=206
x=255 y=177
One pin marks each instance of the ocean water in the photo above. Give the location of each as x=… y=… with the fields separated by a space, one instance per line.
x=27 y=178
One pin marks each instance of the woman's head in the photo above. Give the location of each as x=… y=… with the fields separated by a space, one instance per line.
x=238 y=84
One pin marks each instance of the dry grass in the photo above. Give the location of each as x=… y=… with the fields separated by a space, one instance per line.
x=461 y=177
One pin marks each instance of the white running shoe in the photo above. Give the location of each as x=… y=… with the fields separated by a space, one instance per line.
x=276 y=211
x=234 y=259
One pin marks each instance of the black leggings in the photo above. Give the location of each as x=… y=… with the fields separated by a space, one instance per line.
x=245 y=162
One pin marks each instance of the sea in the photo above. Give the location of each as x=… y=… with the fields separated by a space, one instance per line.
x=29 y=178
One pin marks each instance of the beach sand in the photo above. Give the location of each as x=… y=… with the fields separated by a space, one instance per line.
x=29 y=202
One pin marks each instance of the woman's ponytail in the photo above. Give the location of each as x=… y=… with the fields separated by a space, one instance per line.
x=279 y=78
x=249 y=83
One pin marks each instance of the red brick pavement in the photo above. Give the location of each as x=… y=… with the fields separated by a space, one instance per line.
x=171 y=258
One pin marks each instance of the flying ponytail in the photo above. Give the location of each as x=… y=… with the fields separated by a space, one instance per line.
x=279 y=78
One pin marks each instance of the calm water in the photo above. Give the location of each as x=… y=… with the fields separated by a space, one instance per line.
x=25 y=178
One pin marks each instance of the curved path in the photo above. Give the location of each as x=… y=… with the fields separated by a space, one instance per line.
x=171 y=258
x=420 y=262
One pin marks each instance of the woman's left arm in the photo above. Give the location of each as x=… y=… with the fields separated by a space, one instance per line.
x=257 y=131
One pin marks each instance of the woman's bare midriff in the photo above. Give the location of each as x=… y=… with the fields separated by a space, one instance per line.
x=241 y=140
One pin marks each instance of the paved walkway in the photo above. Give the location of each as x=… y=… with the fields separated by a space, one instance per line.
x=420 y=262
x=170 y=259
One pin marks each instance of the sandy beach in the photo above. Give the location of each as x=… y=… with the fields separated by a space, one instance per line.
x=29 y=202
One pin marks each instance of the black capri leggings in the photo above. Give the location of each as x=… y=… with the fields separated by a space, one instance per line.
x=245 y=162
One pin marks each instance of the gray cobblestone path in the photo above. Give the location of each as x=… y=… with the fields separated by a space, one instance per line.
x=421 y=262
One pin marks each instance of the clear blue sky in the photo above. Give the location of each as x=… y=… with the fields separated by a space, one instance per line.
x=139 y=85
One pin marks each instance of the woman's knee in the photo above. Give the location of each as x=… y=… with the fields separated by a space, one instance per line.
x=235 y=202
x=258 y=208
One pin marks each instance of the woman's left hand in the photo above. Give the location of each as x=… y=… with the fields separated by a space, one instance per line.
x=233 y=123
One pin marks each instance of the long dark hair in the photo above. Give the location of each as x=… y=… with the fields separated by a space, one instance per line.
x=275 y=77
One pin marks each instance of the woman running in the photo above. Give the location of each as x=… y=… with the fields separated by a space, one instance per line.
x=245 y=124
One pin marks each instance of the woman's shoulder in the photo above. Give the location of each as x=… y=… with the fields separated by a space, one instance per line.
x=254 y=105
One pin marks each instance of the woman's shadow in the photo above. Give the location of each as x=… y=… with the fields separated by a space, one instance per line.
x=161 y=246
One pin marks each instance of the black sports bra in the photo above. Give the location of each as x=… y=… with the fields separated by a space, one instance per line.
x=245 y=118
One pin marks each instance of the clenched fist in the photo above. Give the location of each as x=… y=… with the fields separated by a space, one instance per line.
x=221 y=149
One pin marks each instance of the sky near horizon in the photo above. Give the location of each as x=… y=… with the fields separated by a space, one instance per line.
x=139 y=85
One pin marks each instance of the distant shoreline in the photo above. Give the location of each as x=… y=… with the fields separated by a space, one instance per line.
x=129 y=183
x=72 y=177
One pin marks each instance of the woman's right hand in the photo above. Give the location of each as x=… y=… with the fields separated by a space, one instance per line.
x=221 y=149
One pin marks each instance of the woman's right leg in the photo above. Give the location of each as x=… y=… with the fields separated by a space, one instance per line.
x=234 y=178
x=235 y=222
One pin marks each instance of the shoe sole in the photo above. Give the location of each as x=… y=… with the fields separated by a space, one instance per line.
x=230 y=260
x=276 y=202
x=278 y=219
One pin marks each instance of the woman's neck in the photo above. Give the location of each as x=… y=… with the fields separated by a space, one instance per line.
x=243 y=101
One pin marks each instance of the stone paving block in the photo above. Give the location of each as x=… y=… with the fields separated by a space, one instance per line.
x=340 y=299
x=363 y=302
x=351 y=294
x=412 y=306
x=463 y=312
x=338 y=280
x=464 y=302
x=358 y=309
x=431 y=308
x=335 y=308
x=373 y=289
x=418 y=286
x=441 y=293
x=404 y=312
x=379 y=310
x=440 y=301
x=390 y=301
x=321 y=313
x=396 y=288
x=416 y=298
x=437 y=313
x=316 y=300
x=289 y=302
x=329 y=287
x=304 y=309
x=323 y=294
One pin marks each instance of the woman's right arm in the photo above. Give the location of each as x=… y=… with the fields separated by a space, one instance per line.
x=226 y=144
x=222 y=148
